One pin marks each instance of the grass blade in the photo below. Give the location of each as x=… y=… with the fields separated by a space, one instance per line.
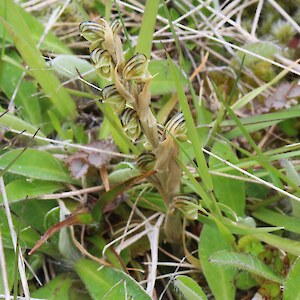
x=144 y=44
x=192 y=131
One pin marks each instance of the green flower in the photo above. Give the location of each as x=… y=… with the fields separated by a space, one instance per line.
x=176 y=127
x=137 y=68
x=93 y=32
x=131 y=124
x=146 y=162
x=114 y=98
x=103 y=63
x=187 y=204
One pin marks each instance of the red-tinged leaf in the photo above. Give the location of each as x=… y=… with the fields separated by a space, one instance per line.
x=80 y=217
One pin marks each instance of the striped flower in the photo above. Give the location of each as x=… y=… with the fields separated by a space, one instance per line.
x=187 y=204
x=93 y=32
x=103 y=63
x=176 y=127
x=131 y=124
x=137 y=68
x=146 y=162
x=114 y=98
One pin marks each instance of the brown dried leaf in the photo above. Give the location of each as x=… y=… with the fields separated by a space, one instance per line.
x=98 y=159
x=284 y=97
x=80 y=162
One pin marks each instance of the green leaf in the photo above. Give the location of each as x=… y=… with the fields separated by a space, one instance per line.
x=35 y=164
x=189 y=288
x=99 y=281
x=228 y=191
x=28 y=236
x=66 y=66
x=246 y=262
x=37 y=208
x=58 y=288
x=37 y=29
x=285 y=244
x=163 y=81
x=276 y=219
x=12 y=122
x=28 y=105
x=9 y=255
x=220 y=279
x=118 y=291
x=145 y=38
x=192 y=131
x=21 y=34
x=20 y=189
x=291 y=289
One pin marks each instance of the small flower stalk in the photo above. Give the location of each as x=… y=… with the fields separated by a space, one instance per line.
x=130 y=98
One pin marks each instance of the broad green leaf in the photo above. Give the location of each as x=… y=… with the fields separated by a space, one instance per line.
x=27 y=103
x=189 y=288
x=20 y=189
x=220 y=279
x=98 y=243
x=228 y=191
x=12 y=122
x=21 y=34
x=99 y=281
x=68 y=66
x=163 y=81
x=35 y=164
x=121 y=175
x=37 y=208
x=244 y=281
x=28 y=236
x=245 y=262
x=57 y=288
x=276 y=219
x=291 y=289
x=118 y=291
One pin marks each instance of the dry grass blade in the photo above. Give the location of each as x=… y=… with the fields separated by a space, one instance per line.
x=21 y=265
x=3 y=270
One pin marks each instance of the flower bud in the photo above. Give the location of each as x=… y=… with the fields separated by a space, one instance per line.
x=93 y=31
x=176 y=126
x=103 y=63
x=114 y=98
x=115 y=26
x=146 y=162
x=137 y=68
x=186 y=204
x=131 y=124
